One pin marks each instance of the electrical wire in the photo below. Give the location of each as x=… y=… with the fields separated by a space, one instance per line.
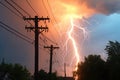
x=53 y=15
x=10 y=9
x=15 y=30
x=37 y=14
x=20 y=7
x=54 y=19
x=16 y=34
x=49 y=39
x=14 y=8
x=32 y=7
x=51 y=21
x=52 y=12
x=46 y=8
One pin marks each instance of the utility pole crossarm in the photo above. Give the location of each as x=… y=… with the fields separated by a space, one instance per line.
x=40 y=28
x=36 y=18
x=28 y=18
x=51 y=47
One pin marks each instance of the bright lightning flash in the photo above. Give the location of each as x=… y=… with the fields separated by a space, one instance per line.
x=71 y=14
x=73 y=41
x=67 y=14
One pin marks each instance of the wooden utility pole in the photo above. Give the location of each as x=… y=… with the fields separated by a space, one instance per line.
x=37 y=31
x=65 y=70
x=51 y=54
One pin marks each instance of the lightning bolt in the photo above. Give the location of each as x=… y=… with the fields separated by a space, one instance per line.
x=73 y=40
x=67 y=21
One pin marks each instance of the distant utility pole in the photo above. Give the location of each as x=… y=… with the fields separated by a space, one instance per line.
x=51 y=54
x=65 y=70
x=37 y=31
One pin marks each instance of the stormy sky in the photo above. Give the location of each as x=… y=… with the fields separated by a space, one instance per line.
x=103 y=17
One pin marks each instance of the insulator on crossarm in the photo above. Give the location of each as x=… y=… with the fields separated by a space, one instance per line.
x=29 y=16
x=30 y=24
x=41 y=27
x=25 y=26
x=45 y=25
x=24 y=17
x=45 y=21
x=48 y=19
x=46 y=28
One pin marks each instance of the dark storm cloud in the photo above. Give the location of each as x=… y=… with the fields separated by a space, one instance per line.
x=103 y=6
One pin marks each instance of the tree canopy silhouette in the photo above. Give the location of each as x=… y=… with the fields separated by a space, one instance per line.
x=113 y=61
x=13 y=72
x=95 y=68
x=46 y=76
x=91 y=69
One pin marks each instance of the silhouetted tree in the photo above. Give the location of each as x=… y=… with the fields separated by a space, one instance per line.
x=43 y=75
x=113 y=61
x=46 y=76
x=13 y=72
x=113 y=50
x=93 y=68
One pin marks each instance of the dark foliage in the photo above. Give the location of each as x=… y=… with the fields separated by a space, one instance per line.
x=13 y=72
x=46 y=76
x=94 y=68
x=113 y=61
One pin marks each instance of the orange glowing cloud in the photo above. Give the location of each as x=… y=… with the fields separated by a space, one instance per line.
x=85 y=7
x=65 y=9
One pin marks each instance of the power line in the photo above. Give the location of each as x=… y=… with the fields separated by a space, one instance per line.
x=14 y=8
x=15 y=34
x=37 y=14
x=54 y=20
x=15 y=30
x=49 y=39
x=31 y=7
x=51 y=20
x=45 y=8
x=52 y=16
x=10 y=9
x=52 y=12
x=16 y=15
x=20 y=7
